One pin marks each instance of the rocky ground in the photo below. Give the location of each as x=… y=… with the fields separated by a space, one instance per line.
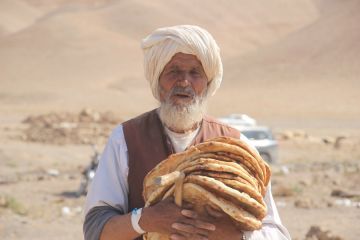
x=315 y=183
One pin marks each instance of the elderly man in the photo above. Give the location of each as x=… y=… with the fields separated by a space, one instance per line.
x=183 y=66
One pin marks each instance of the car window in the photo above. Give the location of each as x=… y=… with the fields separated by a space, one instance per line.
x=257 y=134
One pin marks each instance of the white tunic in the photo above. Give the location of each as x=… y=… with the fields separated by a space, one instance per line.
x=110 y=185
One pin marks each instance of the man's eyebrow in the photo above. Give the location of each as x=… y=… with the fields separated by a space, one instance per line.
x=198 y=68
x=174 y=66
x=177 y=67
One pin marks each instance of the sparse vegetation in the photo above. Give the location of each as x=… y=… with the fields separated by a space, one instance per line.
x=11 y=164
x=14 y=205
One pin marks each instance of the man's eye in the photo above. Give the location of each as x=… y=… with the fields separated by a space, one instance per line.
x=175 y=72
x=195 y=73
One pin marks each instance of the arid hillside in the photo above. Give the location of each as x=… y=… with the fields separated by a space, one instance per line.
x=312 y=73
x=70 y=54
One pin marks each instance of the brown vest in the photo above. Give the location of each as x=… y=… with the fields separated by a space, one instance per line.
x=148 y=145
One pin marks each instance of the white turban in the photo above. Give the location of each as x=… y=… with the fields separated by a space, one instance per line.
x=161 y=45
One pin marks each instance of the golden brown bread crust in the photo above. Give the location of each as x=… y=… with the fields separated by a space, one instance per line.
x=265 y=167
x=219 y=189
x=217 y=166
x=223 y=172
x=223 y=144
x=198 y=195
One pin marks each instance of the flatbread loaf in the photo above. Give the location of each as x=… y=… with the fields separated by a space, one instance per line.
x=223 y=172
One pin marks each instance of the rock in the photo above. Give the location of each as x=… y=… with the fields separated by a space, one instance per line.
x=53 y=172
x=283 y=191
x=347 y=203
x=316 y=233
x=300 y=134
x=329 y=140
x=70 y=211
x=315 y=140
x=89 y=115
x=86 y=127
x=305 y=182
x=295 y=134
x=344 y=194
x=329 y=204
x=109 y=117
x=281 y=203
x=305 y=203
x=338 y=141
x=285 y=170
x=3 y=201
x=66 y=211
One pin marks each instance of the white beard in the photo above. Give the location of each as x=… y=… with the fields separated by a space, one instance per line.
x=183 y=117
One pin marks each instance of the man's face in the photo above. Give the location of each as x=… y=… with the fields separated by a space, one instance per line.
x=182 y=80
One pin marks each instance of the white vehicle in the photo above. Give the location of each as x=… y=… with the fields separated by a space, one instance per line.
x=238 y=120
x=263 y=140
x=260 y=137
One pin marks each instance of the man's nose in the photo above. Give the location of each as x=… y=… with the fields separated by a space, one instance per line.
x=184 y=80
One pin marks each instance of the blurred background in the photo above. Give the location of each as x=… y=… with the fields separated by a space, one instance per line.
x=71 y=70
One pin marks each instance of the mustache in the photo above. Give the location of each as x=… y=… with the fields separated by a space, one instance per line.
x=177 y=90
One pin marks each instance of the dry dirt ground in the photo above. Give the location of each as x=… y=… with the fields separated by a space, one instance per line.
x=293 y=65
x=314 y=184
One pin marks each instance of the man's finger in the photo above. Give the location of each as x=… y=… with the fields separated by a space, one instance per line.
x=213 y=212
x=193 y=227
x=198 y=223
x=187 y=205
x=192 y=237
x=175 y=236
x=184 y=227
x=205 y=225
x=198 y=237
x=189 y=213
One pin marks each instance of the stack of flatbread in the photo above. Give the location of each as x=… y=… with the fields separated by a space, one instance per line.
x=225 y=173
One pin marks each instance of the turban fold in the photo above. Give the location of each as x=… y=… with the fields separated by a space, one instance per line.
x=161 y=45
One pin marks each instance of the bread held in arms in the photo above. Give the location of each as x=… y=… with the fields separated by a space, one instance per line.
x=225 y=173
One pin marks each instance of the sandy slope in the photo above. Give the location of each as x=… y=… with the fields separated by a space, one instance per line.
x=79 y=54
x=16 y=15
x=312 y=73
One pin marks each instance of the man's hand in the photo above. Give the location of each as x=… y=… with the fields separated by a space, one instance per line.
x=225 y=228
x=178 y=223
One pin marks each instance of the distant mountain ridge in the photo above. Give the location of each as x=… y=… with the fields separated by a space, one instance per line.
x=70 y=54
